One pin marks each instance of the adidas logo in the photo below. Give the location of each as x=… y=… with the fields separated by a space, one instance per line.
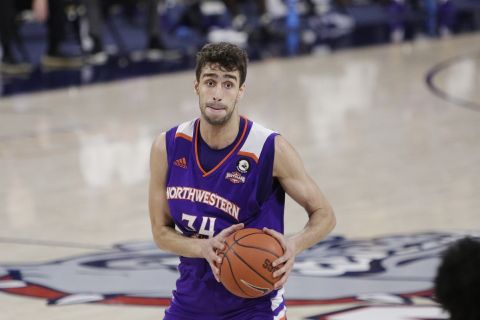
x=182 y=163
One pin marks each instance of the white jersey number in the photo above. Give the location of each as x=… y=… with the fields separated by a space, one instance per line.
x=207 y=228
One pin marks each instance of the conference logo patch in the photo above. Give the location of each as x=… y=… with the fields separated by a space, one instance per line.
x=359 y=276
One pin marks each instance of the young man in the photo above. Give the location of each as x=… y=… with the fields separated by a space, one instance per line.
x=217 y=174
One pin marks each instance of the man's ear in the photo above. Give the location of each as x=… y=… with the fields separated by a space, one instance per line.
x=241 y=92
x=195 y=87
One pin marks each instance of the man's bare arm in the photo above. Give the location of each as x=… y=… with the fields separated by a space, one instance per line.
x=297 y=183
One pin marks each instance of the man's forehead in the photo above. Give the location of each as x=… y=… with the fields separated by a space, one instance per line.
x=215 y=68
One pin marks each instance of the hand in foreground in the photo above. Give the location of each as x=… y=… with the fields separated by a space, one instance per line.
x=285 y=262
x=213 y=246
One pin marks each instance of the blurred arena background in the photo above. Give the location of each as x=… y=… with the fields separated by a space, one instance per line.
x=380 y=98
x=86 y=41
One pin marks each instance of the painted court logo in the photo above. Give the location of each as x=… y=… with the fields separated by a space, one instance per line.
x=390 y=270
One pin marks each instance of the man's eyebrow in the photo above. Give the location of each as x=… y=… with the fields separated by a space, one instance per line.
x=214 y=75
x=231 y=76
x=210 y=75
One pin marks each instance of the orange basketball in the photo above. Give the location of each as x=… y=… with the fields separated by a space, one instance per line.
x=246 y=269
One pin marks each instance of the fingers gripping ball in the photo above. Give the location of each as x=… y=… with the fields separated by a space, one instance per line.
x=246 y=269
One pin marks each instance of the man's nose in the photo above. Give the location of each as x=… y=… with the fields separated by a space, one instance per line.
x=217 y=95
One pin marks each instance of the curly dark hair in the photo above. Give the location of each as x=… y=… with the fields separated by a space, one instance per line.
x=228 y=56
x=457 y=284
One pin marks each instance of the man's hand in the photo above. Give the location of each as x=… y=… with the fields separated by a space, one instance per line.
x=285 y=262
x=213 y=246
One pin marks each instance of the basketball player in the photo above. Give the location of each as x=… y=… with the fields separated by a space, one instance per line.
x=217 y=174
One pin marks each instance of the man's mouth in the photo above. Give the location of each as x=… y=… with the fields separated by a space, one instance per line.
x=216 y=106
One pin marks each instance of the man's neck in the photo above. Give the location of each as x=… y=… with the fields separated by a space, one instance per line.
x=221 y=136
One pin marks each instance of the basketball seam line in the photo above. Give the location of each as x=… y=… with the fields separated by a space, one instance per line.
x=235 y=279
x=259 y=232
x=235 y=241
x=261 y=249
x=251 y=268
x=245 y=246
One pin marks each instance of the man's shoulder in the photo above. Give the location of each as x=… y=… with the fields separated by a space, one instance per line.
x=259 y=139
x=159 y=144
x=183 y=130
x=260 y=131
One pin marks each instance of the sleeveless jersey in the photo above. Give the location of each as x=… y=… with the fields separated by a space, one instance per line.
x=239 y=189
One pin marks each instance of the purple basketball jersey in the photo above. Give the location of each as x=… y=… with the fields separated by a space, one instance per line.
x=240 y=188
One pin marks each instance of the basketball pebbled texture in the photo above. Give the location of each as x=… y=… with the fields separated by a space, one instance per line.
x=246 y=270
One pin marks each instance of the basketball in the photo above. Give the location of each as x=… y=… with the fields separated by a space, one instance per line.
x=246 y=270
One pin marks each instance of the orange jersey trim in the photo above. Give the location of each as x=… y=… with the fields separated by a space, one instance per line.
x=205 y=173
x=184 y=136
x=249 y=154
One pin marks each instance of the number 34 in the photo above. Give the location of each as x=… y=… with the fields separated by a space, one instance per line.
x=207 y=228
